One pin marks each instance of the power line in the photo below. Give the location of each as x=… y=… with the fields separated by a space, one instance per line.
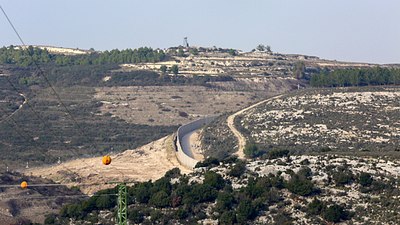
x=18 y=131
x=41 y=72
x=58 y=185
x=59 y=196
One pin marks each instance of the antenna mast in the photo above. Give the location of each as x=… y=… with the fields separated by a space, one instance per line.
x=185 y=42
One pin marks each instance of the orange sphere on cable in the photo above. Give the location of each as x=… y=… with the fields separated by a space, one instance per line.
x=106 y=160
x=24 y=184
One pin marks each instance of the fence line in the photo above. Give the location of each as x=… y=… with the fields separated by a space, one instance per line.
x=182 y=157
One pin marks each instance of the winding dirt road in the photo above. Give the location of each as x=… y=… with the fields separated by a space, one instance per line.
x=231 y=124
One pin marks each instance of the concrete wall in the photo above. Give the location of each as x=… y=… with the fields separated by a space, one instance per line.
x=182 y=131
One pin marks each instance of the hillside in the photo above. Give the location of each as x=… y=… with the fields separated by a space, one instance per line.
x=290 y=190
x=123 y=103
x=346 y=120
x=26 y=206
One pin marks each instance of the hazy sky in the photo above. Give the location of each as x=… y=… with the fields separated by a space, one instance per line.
x=353 y=30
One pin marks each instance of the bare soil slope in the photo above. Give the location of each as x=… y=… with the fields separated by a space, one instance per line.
x=148 y=162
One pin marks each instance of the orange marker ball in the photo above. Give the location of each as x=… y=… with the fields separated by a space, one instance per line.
x=24 y=184
x=106 y=160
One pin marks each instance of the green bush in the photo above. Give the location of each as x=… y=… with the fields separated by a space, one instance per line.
x=160 y=199
x=225 y=201
x=227 y=218
x=173 y=173
x=209 y=162
x=300 y=185
x=315 y=207
x=50 y=219
x=251 y=150
x=365 y=179
x=277 y=153
x=342 y=176
x=214 y=180
x=305 y=172
x=245 y=212
x=334 y=213
x=199 y=193
x=135 y=216
x=181 y=213
x=141 y=192
x=162 y=184
x=238 y=169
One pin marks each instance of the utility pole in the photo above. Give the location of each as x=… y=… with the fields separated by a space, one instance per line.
x=122 y=204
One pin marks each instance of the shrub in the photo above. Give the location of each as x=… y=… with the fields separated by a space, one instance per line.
x=365 y=179
x=300 y=185
x=214 y=180
x=173 y=173
x=209 y=162
x=283 y=218
x=238 y=169
x=135 y=216
x=50 y=219
x=277 y=153
x=141 y=192
x=162 y=184
x=155 y=215
x=342 y=175
x=315 y=207
x=227 y=218
x=334 y=213
x=245 y=211
x=305 y=172
x=181 y=214
x=160 y=199
x=251 y=150
x=183 y=114
x=225 y=201
x=200 y=193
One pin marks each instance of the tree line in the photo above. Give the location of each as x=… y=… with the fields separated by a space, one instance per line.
x=356 y=77
x=30 y=55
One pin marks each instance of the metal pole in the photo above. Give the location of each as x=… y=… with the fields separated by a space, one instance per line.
x=122 y=205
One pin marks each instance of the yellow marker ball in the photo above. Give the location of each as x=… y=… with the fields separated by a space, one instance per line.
x=24 y=184
x=106 y=160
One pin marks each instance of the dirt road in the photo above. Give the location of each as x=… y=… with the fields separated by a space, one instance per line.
x=19 y=108
x=231 y=124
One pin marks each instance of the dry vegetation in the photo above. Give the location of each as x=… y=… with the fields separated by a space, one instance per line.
x=369 y=204
x=355 y=119
x=244 y=64
x=170 y=105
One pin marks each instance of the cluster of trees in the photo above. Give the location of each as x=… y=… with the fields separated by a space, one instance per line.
x=356 y=77
x=181 y=201
x=251 y=150
x=331 y=213
x=263 y=48
x=163 y=201
x=24 y=57
x=30 y=55
x=173 y=69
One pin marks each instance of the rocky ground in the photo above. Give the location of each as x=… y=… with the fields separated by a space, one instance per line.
x=375 y=204
x=342 y=119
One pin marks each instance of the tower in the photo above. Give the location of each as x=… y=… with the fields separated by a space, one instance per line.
x=122 y=204
x=185 y=42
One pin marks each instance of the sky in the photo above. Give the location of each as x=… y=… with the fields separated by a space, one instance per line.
x=345 y=30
